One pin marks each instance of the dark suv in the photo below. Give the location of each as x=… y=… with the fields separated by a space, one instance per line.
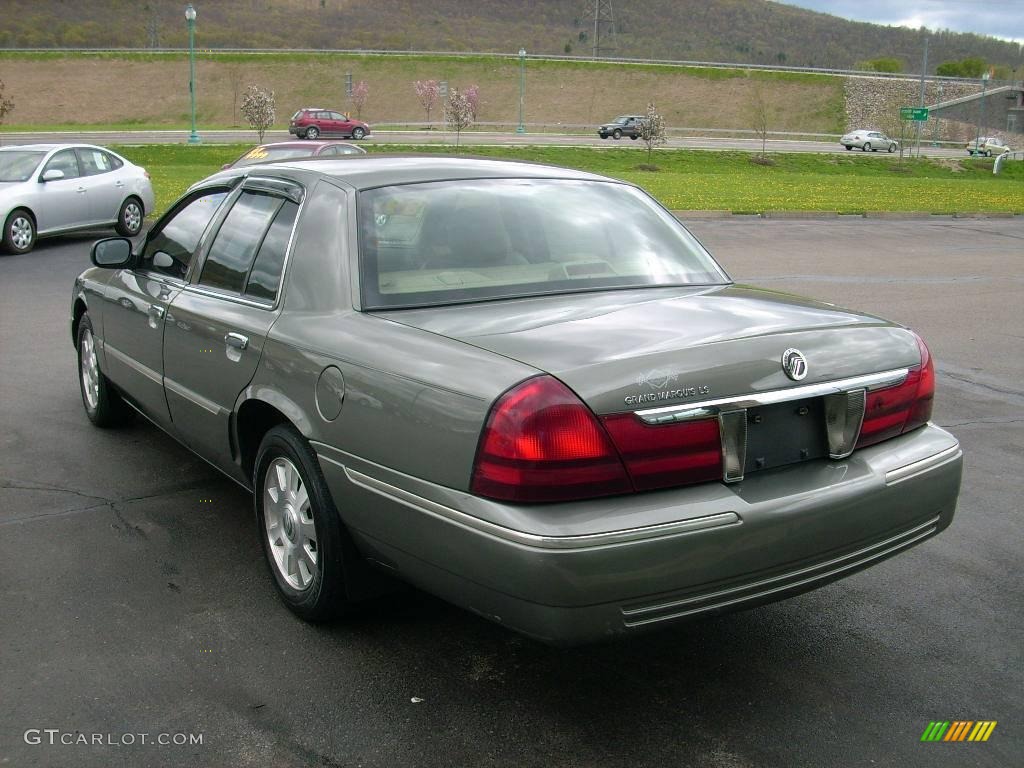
x=624 y=125
x=313 y=122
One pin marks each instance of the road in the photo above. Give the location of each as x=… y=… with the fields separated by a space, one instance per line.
x=470 y=138
x=135 y=600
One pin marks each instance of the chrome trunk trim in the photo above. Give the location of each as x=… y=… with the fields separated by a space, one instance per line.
x=707 y=408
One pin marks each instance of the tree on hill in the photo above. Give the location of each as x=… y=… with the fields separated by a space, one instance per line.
x=458 y=113
x=427 y=92
x=359 y=93
x=258 y=109
x=6 y=104
x=972 y=66
x=652 y=129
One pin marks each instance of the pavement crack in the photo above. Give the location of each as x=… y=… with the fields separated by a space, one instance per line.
x=28 y=486
x=981 y=421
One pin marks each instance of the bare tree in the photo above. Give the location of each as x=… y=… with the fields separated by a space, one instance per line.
x=760 y=116
x=258 y=108
x=6 y=104
x=427 y=92
x=652 y=129
x=359 y=93
x=458 y=113
x=473 y=96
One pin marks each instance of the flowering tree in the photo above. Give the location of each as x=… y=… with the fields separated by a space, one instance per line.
x=6 y=105
x=652 y=129
x=258 y=109
x=458 y=113
x=427 y=92
x=473 y=96
x=359 y=93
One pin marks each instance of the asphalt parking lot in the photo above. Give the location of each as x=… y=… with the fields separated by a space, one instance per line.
x=134 y=599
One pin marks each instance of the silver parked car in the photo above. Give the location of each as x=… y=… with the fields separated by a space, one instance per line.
x=51 y=189
x=987 y=146
x=869 y=141
x=525 y=389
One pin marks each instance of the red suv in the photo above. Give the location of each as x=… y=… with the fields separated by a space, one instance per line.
x=312 y=122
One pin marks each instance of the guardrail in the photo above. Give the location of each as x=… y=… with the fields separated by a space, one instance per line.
x=515 y=56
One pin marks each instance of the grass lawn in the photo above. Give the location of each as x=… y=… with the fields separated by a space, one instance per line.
x=700 y=180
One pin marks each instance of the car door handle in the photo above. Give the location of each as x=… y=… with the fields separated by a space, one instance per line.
x=236 y=340
x=80 y=190
x=155 y=310
x=118 y=183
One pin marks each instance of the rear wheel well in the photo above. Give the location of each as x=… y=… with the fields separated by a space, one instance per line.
x=76 y=318
x=254 y=419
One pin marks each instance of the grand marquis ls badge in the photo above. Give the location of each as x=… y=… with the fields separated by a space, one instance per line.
x=794 y=364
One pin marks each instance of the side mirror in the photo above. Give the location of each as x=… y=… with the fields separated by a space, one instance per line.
x=54 y=174
x=112 y=253
x=162 y=260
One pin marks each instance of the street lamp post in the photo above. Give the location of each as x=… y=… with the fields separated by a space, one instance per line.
x=522 y=88
x=190 y=16
x=981 y=117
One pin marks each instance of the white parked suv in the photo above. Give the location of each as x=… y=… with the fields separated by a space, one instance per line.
x=869 y=141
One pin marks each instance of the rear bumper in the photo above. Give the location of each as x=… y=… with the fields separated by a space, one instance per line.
x=572 y=573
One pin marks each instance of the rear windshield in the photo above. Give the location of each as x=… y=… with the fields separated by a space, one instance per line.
x=272 y=154
x=17 y=165
x=448 y=242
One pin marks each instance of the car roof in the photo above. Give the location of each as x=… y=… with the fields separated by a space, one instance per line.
x=369 y=171
x=305 y=144
x=52 y=147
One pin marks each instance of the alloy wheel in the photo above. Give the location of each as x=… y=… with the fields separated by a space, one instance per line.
x=22 y=232
x=291 y=531
x=90 y=370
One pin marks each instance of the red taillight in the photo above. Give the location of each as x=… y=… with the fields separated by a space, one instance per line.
x=541 y=443
x=667 y=454
x=145 y=173
x=895 y=410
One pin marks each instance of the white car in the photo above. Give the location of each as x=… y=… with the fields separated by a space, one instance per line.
x=869 y=141
x=50 y=189
x=987 y=146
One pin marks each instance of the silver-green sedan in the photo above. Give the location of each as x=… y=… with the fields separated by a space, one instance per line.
x=528 y=390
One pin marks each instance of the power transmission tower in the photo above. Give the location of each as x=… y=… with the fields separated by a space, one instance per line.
x=603 y=36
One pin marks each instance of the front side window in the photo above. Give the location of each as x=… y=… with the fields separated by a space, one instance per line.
x=457 y=241
x=65 y=161
x=172 y=244
x=19 y=165
x=239 y=237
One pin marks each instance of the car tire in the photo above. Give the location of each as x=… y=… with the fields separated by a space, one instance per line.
x=312 y=132
x=358 y=133
x=848 y=147
x=103 y=404
x=867 y=147
x=304 y=542
x=616 y=134
x=129 y=218
x=892 y=147
x=19 y=232
x=988 y=153
x=634 y=137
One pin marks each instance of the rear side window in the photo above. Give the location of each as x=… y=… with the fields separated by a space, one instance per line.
x=237 y=241
x=95 y=161
x=177 y=236
x=265 y=276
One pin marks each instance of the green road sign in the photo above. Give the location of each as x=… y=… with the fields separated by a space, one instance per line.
x=913 y=113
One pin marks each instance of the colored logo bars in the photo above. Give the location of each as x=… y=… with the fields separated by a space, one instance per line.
x=958 y=730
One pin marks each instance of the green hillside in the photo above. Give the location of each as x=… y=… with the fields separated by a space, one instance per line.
x=742 y=31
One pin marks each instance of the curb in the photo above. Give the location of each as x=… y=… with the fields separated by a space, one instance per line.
x=826 y=215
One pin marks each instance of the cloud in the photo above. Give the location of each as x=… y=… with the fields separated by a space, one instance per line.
x=999 y=18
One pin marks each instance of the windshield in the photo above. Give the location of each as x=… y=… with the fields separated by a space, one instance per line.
x=271 y=154
x=620 y=120
x=458 y=241
x=18 y=165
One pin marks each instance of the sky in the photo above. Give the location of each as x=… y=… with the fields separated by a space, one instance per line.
x=999 y=18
